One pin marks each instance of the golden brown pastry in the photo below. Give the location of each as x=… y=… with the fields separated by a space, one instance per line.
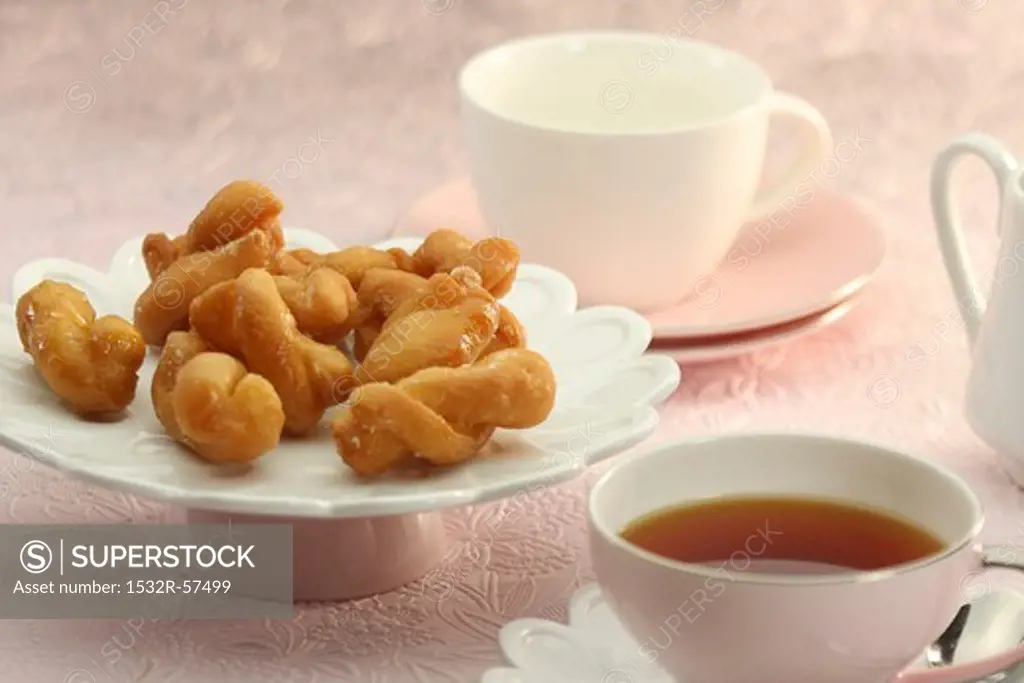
x=496 y=259
x=163 y=307
x=353 y=262
x=91 y=363
x=160 y=251
x=234 y=211
x=380 y=292
x=448 y=322
x=285 y=262
x=428 y=338
x=180 y=348
x=510 y=333
x=209 y=402
x=443 y=415
x=322 y=301
x=442 y=290
x=248 y=318
x=433 y=324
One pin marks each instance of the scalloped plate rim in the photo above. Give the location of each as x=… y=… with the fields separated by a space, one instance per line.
x=644 y=421
x=639 y=430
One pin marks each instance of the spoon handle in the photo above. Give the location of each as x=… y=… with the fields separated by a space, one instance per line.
x=950 y=638
x=1002 y=556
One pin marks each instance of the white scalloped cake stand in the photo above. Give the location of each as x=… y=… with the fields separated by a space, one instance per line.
x=350 y=538
x=594 y=646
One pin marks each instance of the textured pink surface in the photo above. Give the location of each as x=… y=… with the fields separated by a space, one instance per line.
x=232 y=88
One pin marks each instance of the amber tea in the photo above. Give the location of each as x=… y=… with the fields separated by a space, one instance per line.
x=782 y=535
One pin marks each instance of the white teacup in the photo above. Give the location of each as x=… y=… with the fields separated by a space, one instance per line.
x=632 y=181
x=711 y=624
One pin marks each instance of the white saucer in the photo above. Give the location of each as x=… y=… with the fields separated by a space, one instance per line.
x=708 y=349
x=594 y=646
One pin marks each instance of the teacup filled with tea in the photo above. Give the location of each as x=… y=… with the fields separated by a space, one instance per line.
x=783 y=557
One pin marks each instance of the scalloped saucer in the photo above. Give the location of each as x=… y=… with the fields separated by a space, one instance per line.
x=607 y=394
x=594 y=646
x=710 y=349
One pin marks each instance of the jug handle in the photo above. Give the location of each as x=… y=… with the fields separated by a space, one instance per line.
x=969 y=298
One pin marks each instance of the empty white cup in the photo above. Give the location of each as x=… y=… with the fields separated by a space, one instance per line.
x=633 y=183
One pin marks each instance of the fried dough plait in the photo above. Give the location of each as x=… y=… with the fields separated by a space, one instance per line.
x=496 y=259
x=164 y=306
x=353 y=262
x=382 y=290
x=180 y=348
x=327 y=308
x=448 y=323
x=443 y=416
x=442 y=291
x=322 y=301
x=248 y=318
x=235 y=210
x=380 y=293
x=510 y=333
x=92 y=364
x=210 y=403
x=284 y=262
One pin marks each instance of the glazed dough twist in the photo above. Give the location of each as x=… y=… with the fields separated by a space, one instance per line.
x=353 y=262
x=448 y=320
x=248 y=318
x=91 y=363
x=163 y=307
x=380 y=293
x=209 y=402
x=443 y=415
x=447 y=323
x=233 y=212
x=495 y=259
x=322 y=301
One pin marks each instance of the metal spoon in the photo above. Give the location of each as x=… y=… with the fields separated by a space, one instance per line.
x=941 y=652
x=984 y=628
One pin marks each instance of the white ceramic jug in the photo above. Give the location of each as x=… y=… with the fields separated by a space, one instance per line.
x=995 y=328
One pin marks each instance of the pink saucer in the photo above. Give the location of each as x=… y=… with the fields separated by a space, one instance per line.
x=788 y=266
x=709 y=349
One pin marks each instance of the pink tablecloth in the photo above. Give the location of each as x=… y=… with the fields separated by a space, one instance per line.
x=122 y=116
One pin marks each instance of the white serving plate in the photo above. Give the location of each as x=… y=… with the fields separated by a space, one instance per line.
x=607 y=393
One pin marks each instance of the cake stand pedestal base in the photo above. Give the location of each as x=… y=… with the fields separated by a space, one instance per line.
x=344 y=559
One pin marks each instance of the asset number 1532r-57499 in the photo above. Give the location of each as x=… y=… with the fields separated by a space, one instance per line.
x=172 y=586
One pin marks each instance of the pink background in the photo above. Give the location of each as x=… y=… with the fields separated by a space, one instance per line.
x=96 y=148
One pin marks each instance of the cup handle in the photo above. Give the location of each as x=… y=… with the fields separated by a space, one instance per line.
x=969 y=297
x=816 y=143
x=989 y=557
